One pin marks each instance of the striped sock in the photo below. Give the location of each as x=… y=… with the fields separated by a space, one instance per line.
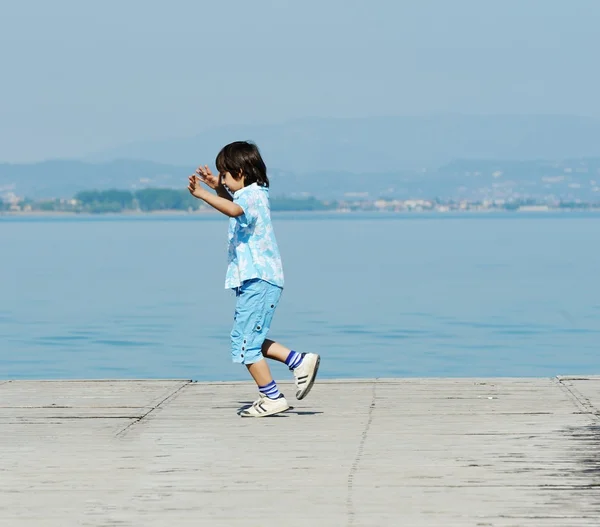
x=294 y=359
x=270 y=390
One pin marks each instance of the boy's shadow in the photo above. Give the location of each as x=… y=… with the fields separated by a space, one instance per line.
x=290 y=410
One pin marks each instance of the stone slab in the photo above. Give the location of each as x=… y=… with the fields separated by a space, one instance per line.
x=418 y=452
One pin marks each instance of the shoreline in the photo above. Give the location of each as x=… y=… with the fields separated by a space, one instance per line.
x=175 y=212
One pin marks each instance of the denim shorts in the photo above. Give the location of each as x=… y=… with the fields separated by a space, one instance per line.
x=256 y=301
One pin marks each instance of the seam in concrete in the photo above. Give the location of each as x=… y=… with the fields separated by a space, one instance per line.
x=76 y=417
x=168 y=397
x=63 y=407
x=354 y=468
x=92 y=381
x=580 y=400
x=578 y=378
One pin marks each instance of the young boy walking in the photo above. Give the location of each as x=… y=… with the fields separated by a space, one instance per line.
x=254 y=272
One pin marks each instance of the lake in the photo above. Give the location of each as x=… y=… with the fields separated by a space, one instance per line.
x=377 y=295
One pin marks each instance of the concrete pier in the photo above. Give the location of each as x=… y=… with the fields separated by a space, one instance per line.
x=404 y=452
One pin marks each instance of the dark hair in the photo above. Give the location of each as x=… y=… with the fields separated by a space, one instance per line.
x=245 y=157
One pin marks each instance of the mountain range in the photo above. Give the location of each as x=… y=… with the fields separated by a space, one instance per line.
x=396 y=157
x=382 y=144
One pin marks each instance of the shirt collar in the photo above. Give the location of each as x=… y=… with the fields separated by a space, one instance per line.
x=238 y=193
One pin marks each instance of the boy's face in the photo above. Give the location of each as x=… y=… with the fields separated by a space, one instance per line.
x=231 y=183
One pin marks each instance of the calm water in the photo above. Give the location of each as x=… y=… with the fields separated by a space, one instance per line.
x=378 y=295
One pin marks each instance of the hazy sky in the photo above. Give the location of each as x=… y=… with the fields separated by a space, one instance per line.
x=79 y=76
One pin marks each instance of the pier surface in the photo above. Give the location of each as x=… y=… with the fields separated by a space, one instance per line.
x=411 y=452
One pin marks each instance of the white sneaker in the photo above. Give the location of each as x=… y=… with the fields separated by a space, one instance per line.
x=306 y=373
x=264 y=406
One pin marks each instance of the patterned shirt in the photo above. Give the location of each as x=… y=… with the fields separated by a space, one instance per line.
x=253 y=251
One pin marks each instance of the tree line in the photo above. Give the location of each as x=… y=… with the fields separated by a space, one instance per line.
x=146 y=200
x=149 y=200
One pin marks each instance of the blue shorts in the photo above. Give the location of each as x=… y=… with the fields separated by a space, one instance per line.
x=256 y=301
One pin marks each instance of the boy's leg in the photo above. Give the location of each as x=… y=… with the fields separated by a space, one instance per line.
x=246 y=348
x=271 y=401
x=261 y=373
x=274 y=350
x=304 y=365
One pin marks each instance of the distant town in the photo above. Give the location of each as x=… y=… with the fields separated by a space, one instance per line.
x=462 y=185
x=151 y=200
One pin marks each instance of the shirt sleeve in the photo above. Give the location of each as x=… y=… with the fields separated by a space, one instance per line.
x=248 y=203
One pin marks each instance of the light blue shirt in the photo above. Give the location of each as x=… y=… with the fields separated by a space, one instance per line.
x=253 y=250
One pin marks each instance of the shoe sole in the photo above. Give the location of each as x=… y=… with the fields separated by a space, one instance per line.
x=302 y=394
x=242 y=414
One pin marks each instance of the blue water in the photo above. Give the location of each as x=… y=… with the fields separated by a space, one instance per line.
x=377 y=295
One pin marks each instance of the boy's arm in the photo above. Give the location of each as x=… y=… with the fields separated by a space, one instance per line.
x=224 y=193
x=222 y=204
x=206 y=176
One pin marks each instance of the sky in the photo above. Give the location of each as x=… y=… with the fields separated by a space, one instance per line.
x=78 y=77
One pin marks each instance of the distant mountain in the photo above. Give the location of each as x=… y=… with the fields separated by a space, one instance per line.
x=382 y=144
x=447 y=156
x=63 y=178
x=462 y=179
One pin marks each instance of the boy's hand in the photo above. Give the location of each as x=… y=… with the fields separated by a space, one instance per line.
x=223 y=204
x=207 y=177
x=194 y=187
